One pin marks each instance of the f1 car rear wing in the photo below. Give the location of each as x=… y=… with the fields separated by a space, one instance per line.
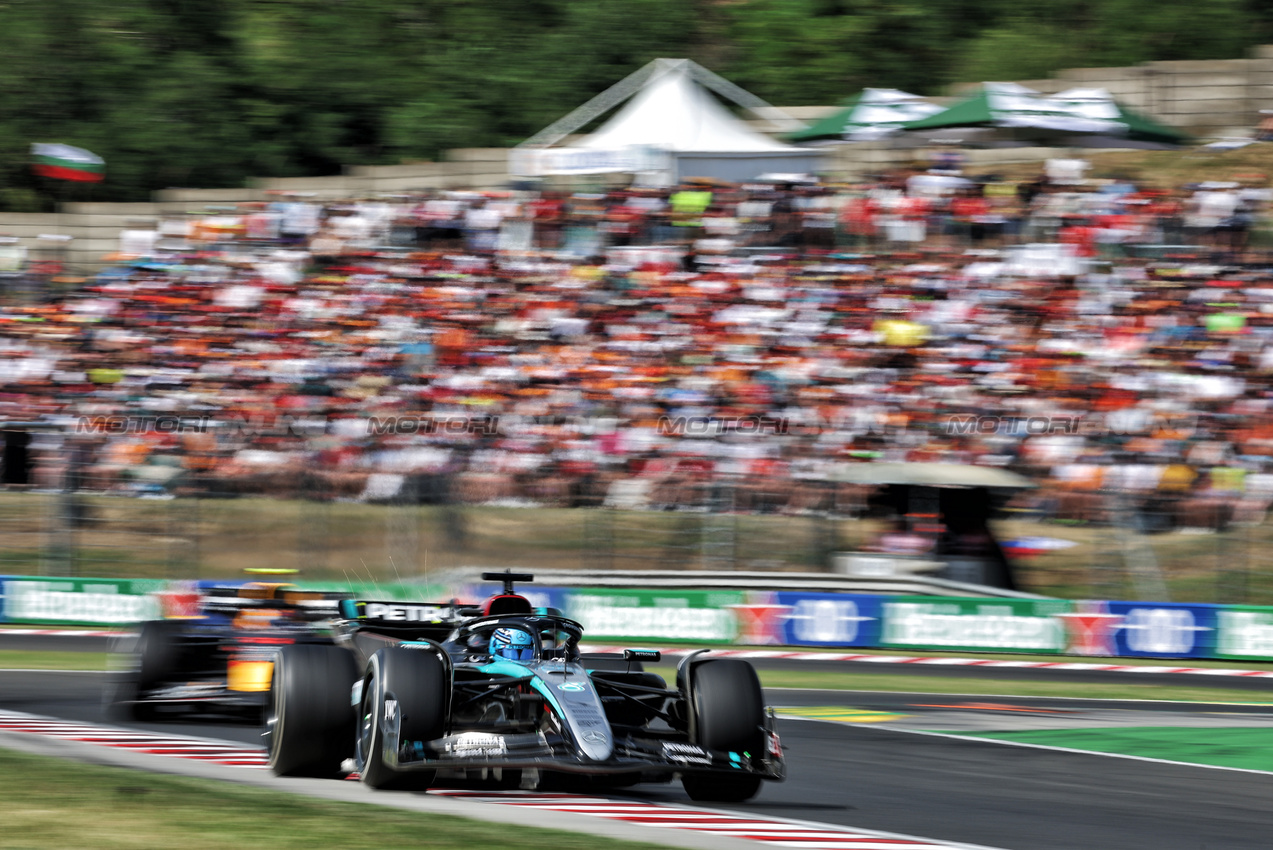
x=301 y=604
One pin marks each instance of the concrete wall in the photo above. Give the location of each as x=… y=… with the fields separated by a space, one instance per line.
x=1213 y=97
x=95 y=228
x=466 y=168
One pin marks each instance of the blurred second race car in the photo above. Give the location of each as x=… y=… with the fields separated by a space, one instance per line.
x=220 y=659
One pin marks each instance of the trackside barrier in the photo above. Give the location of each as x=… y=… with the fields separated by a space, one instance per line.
x=750 y=617
x=827 y=619
x=705 y=616
x=1163 y=630
x=104 y=602
x=982 y=625
x=917 y=623
x=78 y=601
x=1244 y=632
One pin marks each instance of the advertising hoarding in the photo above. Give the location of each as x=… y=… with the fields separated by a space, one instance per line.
x=80 y=601
x=975 y=624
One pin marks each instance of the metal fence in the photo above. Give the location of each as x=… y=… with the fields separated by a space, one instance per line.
x=1131 y=550
x=1151 y=546
x=407 y=535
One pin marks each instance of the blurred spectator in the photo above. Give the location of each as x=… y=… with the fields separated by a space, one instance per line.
x=700 y=348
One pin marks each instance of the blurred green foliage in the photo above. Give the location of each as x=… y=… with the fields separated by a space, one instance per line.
x=191 y=93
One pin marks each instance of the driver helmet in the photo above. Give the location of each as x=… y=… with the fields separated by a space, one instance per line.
x=513 y=644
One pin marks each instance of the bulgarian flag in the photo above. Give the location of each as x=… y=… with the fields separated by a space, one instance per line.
x=63 y=162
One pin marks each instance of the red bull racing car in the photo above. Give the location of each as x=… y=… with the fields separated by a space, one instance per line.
x=220 y=658
x=413 y=692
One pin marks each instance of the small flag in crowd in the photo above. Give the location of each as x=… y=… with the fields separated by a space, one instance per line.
x=63 y=162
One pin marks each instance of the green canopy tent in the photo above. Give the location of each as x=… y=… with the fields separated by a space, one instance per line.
x=870 y=114
x=1080 y=117
x=1140 y=128
x=1014 y=106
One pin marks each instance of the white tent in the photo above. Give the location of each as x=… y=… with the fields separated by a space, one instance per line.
x=671 y=128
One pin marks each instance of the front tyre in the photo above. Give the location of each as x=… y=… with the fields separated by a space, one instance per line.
x=309 y=720
x=728 y=710
x=412 y=686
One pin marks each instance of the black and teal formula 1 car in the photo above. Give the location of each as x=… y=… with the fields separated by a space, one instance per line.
x=504 y=694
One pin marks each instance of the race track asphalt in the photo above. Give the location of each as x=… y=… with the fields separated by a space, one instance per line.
x=871 y=775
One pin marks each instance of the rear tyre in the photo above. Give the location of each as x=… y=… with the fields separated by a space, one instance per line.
x=309 y=720
x=728 y=711
x=413 y=684
x=158 y=652
x=155 y=657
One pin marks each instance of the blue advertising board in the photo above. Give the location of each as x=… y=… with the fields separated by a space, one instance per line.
x=1162 y=629
x=830 y=619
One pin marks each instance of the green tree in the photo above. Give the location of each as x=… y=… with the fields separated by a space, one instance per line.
x=187 y=92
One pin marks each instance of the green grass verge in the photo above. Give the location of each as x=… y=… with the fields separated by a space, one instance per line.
x=48 y=802
x=1246 y=748
x=21 y=659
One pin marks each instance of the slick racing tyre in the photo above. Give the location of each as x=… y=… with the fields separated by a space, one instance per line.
x=728 y=711
x=158 y=653
x=411 y=686
x=310 y=723
x=155 y=657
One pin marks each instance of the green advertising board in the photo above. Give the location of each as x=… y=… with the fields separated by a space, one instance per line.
x=1244 y=632
x=697 y=615
x=985 y=625
x=80 y=601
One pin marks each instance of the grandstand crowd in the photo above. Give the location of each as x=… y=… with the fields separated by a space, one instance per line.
x=708 y=346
